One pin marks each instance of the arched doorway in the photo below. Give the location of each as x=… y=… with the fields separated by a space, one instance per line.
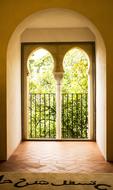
x=14 y=46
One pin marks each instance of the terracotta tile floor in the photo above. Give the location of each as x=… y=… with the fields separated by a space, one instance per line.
x=57 y=156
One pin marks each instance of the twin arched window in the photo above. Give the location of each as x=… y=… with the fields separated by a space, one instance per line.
x=75 y=77
x=70 y=108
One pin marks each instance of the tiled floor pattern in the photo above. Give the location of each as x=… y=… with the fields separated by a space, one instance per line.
x=57 y=156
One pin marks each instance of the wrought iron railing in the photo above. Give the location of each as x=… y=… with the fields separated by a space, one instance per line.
x=74 y=116
x=42 y=116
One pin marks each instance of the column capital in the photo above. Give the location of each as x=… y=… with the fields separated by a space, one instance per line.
x=58 y=76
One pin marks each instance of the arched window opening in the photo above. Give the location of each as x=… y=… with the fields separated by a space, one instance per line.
x=40 y=66
x=41 y=101
x=75 y=94
x=60 y=99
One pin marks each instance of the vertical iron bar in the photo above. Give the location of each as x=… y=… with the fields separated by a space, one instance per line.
x=63 y=115
x=86 y=115
x=81 y=117
x=54 y=107
x=67 y=115
x=49 y=116
x=77 y=114
x=30 y=115
x=65 y=119
x=35 y=114
x=53 y=117
x=72 y=113
x=44 y=117
x=40 y=114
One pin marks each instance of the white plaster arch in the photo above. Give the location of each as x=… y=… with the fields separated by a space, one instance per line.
x=52 y=18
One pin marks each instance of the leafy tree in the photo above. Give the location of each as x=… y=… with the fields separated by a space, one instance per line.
x=41 y=79
x=42 y=83
x=76 y=72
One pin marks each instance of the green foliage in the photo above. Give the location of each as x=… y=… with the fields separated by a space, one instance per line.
x=75 y=79
x=42 y=116
x=42 y=110
x=76 y=72
x=41 y=79
x=74 y=116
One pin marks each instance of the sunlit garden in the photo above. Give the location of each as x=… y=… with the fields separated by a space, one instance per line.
x=42 y=95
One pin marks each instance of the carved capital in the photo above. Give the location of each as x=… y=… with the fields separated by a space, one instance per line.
x=58 y=76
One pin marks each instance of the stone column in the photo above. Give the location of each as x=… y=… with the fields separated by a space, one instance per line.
x=25 y=101
x=58 y=77
x=90 y=103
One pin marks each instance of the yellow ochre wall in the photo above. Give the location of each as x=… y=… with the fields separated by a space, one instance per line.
x=12 y=12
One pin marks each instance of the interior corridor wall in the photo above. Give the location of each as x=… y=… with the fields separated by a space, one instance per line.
x=13 y=95
x=101 y=101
